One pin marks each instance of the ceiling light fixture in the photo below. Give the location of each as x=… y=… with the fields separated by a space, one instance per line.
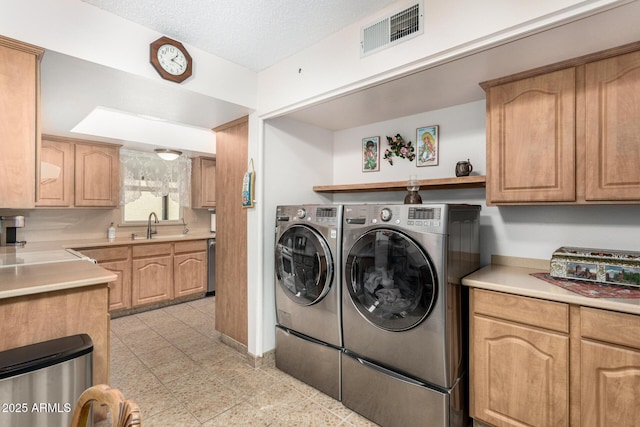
x=166 y=154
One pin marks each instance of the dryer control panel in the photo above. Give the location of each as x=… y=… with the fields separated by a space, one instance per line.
x=426 y=218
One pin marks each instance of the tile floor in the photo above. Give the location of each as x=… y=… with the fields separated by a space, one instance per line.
x=172 y=363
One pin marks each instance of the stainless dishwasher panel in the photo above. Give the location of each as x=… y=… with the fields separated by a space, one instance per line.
x=40 y=383
x=211 y=267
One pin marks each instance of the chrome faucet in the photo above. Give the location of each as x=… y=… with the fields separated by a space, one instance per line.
x=154 y=231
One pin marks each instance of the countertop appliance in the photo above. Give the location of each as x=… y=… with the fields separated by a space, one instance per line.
x=404 y=310
x=211 y=267
x=307 y=294
x=8 y=230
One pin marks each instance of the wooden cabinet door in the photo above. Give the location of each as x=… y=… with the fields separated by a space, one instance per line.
x=190 y=273
x=56 y=174
x=612 y=128
x=120 y=290
x=96 y=175
x=519 y=375
x=116 y=259
x=152 y=280
x=610 y=386
x=204 y=182
x=531 y=139
x=19 y=133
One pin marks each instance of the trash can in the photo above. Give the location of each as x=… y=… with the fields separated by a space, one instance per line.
x=40 y=383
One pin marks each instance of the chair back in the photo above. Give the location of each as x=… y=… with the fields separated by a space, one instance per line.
x=105 y=400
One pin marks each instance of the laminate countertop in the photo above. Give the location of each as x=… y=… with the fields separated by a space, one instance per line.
x=47 y=266
x=20 y=280
x=513 y=276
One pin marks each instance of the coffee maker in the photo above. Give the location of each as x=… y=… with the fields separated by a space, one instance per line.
x=8 y=227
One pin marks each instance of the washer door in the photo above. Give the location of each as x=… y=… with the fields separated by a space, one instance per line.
x=391 y=280
x=304 y=266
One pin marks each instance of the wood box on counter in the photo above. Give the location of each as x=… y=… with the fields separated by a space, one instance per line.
x=597 y=265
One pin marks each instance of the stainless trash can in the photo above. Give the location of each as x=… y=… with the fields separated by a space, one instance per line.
x=40 y=383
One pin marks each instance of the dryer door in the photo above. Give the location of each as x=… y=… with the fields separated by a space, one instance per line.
x=390 y=280
x=304 y=266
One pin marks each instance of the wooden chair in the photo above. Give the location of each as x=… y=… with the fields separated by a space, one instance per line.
x=104 y=399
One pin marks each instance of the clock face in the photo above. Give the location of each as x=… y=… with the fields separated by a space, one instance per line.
x=172 y=59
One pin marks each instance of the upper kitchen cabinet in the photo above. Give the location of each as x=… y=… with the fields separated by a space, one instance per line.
x=203 y=182
x=19 y=127
x=531 y=139
x=97 y=175
x=55 y=187
x=76 y=172
x=566 y=133
x=612 y=124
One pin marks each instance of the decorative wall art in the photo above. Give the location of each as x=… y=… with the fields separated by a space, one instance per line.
x=400 y=148
x=428 y=142
x=371 y=154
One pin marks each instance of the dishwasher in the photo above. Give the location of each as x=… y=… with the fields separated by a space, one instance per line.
x=211 y=267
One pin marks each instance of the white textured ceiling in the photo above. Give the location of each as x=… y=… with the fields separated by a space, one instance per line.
x=251 y=33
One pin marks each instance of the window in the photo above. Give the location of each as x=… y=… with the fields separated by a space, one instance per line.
x=151 y=184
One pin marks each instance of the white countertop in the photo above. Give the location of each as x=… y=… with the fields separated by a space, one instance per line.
x=54 y=276
x=50 y=266
x=515 y=278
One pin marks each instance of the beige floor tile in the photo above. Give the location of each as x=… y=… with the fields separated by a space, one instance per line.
x=241 y=415
x=172 y=363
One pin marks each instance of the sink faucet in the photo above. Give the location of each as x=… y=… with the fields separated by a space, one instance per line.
x=154 y=231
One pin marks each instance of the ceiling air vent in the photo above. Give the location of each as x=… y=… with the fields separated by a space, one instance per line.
x=392 y=29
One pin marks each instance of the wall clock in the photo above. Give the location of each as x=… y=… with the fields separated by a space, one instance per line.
x=171 y=60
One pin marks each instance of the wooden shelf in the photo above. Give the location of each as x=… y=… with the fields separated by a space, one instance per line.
x=474 y=181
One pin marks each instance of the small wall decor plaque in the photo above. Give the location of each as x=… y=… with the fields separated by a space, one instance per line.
x=371 y=154
x=428 y=146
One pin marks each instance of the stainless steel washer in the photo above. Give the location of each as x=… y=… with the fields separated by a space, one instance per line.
x=307 y=294
x=403 y=311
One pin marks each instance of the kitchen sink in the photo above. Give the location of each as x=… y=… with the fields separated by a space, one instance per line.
x=161 y=237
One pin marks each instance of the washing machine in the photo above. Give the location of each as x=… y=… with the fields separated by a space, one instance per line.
x=307 y=294
x=404 y=311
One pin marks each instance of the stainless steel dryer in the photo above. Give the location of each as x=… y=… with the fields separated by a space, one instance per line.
x=404 y=311
x=307 y=294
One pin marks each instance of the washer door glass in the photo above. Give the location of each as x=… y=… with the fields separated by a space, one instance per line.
x=304 y=267
x=390 y=280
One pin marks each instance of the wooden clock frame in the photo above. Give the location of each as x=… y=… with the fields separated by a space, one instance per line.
x=155 y=46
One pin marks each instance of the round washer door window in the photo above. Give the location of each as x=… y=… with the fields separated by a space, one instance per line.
x=304 y=267
x=390 y=280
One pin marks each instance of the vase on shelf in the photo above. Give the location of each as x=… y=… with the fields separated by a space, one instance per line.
x=413 y=197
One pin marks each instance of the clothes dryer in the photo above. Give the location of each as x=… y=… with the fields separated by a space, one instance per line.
x=307 y=294
x=404 y=311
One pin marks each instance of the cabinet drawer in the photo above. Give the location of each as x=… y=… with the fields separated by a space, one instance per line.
x=151 y=250
x=530 y=311
x=190 y=246
x=106 y=254
x=609 y=326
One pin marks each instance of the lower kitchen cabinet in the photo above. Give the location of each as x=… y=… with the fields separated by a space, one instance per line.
x=153 y=273
x=152 y=270
x=543 y=363
x=116 y=259
x=519 y=372
x=610 y=368
x=190 y=268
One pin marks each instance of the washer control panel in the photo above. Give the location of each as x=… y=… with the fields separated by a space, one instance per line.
x=427 y=218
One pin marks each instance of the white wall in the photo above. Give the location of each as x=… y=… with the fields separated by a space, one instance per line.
x=297 y=157
x=334 y=66
x=84 y=31
x=521 y=231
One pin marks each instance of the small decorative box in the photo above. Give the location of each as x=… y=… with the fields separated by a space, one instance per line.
x=597 y=265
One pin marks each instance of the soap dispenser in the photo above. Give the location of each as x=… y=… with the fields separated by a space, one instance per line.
x=111 y=232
